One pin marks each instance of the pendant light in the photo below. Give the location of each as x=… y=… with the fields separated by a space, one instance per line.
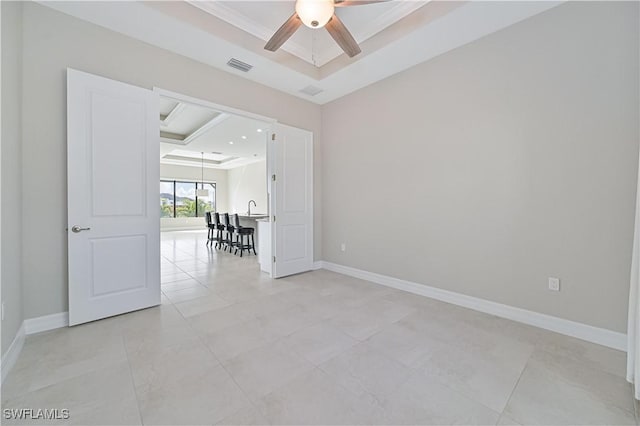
x=202 y=192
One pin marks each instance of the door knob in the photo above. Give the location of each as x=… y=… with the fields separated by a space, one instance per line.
x=77 y=229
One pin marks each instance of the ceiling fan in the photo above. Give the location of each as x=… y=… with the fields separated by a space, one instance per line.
x=317 y=14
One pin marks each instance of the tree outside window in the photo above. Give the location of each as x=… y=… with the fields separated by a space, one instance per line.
x=178 y=199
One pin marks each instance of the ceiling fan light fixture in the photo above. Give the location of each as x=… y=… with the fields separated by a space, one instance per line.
x=315 y=13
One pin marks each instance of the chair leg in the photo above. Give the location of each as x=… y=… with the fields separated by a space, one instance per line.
x=241 y=237
x=253 y=245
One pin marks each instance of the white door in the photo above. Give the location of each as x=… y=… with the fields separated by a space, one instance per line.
x=292 y=200
x=113 y=173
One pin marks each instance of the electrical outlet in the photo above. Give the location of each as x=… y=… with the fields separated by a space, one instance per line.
x=343 y=247
x=554 y=284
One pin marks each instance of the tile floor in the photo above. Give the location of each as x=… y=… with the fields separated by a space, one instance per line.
x=229 y=345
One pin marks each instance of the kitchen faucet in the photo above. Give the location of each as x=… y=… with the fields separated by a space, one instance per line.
x=249 y=207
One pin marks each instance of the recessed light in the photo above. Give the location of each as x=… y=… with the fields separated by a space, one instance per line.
x=230 y=142
x=259 y=130
x=243 y=137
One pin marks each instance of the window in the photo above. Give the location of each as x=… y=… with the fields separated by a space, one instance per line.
x=166 y=199
x=178 y=199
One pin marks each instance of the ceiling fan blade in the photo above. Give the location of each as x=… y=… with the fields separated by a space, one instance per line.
x=342 y=36
x=345 y=3
x=284 y=32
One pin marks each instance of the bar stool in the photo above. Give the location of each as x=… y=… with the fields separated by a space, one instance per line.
x=240 y=233
x=228 y=235
x=210 y=228
x=219 y=230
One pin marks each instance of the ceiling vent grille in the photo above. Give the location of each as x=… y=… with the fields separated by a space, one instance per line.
x=239 y=65
x=311 y=90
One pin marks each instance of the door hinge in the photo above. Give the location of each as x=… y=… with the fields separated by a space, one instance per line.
x=274 y=218
x=273 y=178
x=274 y=259
x=273 y=136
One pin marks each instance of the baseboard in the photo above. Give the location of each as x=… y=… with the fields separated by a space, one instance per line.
x=318 y=265
x=46 y=323
x=578 y=330
x=10 y=357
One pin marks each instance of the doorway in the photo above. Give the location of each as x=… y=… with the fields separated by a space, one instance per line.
x=213 y=169
x=114 y=269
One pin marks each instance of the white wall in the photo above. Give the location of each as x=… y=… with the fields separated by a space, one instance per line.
x=11 y=159
x=497 y=165
x=248 y=183
x=219 y=176
x=54 y=41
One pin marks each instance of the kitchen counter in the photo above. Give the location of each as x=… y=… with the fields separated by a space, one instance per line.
x=252 y=222
x=262 y=236
x=253 y=216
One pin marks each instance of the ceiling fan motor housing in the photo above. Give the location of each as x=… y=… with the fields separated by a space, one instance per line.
x=315 y=13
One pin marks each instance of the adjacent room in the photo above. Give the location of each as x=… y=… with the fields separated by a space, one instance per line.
x=320 y=212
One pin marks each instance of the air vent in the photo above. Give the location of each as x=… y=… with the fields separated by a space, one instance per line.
x=239 y=65
x=311 y=90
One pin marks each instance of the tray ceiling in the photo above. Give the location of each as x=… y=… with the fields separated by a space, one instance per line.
x=263 y=18
x=394 y=36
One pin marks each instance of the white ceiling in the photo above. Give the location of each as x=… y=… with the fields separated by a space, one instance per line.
x=316 y=47
x=224 y=140
x=394 y=45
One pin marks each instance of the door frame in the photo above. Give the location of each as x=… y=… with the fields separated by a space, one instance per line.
x=270 y=153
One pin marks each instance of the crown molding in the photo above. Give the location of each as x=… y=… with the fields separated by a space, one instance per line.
x=399 y=10
x=159 y=27
x=250 y=26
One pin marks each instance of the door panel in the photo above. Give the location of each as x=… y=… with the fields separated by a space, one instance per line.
x=129 y=253
x=115 y=141
x=293 y=207
x=112 y=178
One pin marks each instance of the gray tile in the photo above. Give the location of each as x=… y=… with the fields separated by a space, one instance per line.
x=233 y=346
x=363 y=370
x=363 y=321
x=314 y=399
x=238 y=339
x=203 y=398
x=249 y=416
x=201 y=305
x=601 y=357
x=560 y=390
x=319 y=343
x=263 y=370
x=102 y=396
x=485 y=367
x=425 y=401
